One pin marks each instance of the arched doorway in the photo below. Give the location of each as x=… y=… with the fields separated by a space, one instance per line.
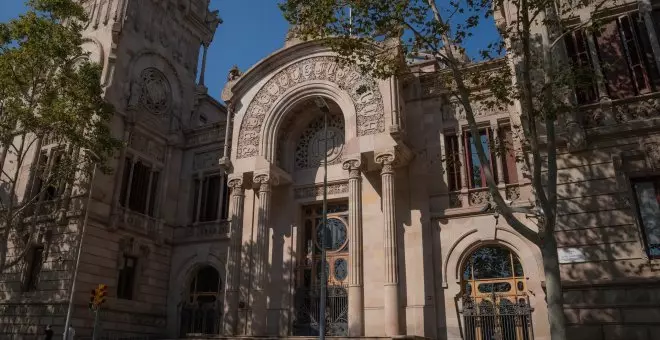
x=201 y=310
x=495 y=305
x=336 y=272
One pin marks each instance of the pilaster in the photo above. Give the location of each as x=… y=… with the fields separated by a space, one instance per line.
x=388 y=160
x=230 y=315
x=258 y=298
x=355 y=269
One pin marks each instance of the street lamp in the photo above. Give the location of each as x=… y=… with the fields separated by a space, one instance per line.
x=69 y=310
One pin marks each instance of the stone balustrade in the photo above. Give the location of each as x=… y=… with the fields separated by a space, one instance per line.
x=140 y=223
x=203 y=231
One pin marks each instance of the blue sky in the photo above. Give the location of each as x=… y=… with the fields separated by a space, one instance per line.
x=251 y=30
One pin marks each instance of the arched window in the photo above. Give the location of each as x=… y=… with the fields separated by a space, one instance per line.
x=494 y=298
x=202 y=309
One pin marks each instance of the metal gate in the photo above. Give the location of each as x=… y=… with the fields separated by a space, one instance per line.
x=200 y=318
x=306 y=322
x=497 y=317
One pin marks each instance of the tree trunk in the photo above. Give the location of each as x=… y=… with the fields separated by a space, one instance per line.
x=553 y=290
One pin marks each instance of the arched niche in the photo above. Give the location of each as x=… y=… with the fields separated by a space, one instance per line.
x=201 y=306
x=300 y=138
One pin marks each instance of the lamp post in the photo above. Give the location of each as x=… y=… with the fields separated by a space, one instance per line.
x=69 y=310
x=323 y=106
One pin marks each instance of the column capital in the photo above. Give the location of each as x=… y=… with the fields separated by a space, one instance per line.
x=235 y=182
x=393 y=158
x=264 y=181
x=353 y=166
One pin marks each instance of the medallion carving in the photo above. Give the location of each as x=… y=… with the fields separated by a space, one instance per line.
x=368 y=104
x=156 y=95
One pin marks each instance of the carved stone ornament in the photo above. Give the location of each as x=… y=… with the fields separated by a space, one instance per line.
x=156 y=93
x=368 y=105
x=134 y=248
x=317 y=190
x=653 y=155
x=232 y=78
x=353 y=167
x=311 y=145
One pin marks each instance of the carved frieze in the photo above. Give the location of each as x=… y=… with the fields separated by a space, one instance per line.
x=206 y=160
x=147 y=145
x=368 y=104
x=317 y=190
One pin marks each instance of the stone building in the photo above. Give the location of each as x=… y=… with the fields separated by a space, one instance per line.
x=211 y=225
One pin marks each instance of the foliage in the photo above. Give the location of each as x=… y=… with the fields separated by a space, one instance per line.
x=381 y=35
x=49 y=91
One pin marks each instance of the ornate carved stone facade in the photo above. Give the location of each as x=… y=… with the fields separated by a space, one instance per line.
x=212 y=227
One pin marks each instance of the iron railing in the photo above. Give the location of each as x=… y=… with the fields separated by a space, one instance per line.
x=307 y=311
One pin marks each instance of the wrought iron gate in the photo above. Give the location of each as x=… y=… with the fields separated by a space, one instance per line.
x=306 y=322
x=200 y=318
x=496 y=317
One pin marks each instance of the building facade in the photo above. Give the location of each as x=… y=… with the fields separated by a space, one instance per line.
x=210 y=223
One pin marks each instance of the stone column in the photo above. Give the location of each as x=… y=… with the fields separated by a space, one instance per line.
x=462 y=168
x=391 y=287
x=499 y=158
x=355 y=271
x=260 y=269
x=230 y=316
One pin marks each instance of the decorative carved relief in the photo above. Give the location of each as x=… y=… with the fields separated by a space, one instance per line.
x=479 y=197
x=645 y=109
x=317 y=190
x=513 y=193
x=311 y=145
x=148 y=146
x=156 y=94
x=368 y=105
x=653 y=155
x=207 y=160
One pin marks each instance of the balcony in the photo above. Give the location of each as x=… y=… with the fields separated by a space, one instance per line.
x=471 y=201
x=201 y=232
x=633 y=110
x=139 y=223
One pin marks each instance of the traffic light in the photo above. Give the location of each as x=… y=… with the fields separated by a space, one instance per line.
x=101 y=292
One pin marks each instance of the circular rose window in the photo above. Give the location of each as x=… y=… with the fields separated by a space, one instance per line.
x=335 y=234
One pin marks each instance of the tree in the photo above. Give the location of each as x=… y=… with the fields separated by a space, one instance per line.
x=377 y=35
x=50 y=94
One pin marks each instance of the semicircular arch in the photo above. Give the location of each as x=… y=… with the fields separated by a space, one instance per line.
x=323 y=74
x=472 y=240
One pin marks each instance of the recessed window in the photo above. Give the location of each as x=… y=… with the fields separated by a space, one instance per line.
x=35 y=260
x=126 y=280
x=139 y=187
x=647 y=194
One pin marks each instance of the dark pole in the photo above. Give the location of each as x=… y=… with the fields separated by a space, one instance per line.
x=324 y=280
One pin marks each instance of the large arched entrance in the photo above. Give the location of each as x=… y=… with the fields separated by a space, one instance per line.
x=202 y=309
x=495 y=305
